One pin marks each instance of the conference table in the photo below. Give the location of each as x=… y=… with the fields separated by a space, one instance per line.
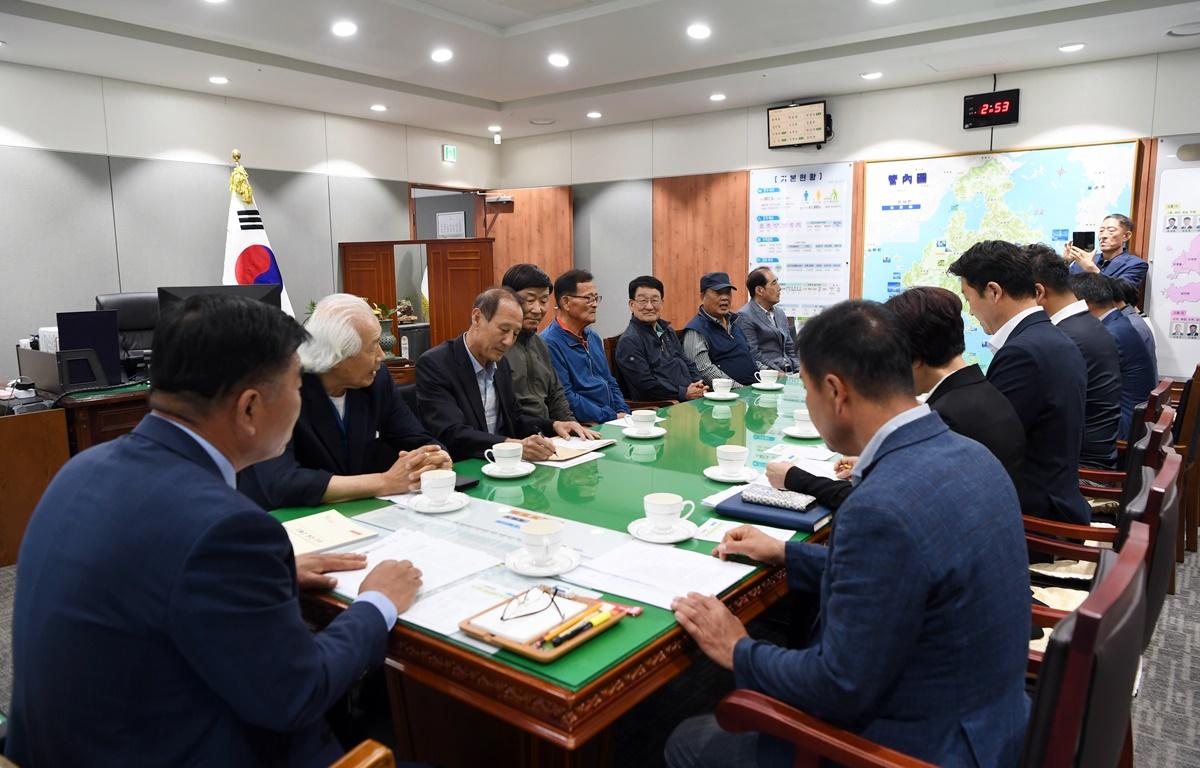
x=454 y=704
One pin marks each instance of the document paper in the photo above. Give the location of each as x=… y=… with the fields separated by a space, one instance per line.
x=440 y=562
x=325 y=530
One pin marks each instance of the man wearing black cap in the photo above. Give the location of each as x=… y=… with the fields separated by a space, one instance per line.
x=713 y=339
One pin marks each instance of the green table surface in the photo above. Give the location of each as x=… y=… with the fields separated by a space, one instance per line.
x=608 y=493
x=86 y=394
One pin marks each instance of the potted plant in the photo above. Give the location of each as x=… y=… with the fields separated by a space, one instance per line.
x=386 y=340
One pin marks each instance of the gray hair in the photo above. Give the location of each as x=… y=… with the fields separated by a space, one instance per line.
x=333 y=329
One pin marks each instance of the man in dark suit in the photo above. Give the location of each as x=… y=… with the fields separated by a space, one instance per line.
x=931 y=319
x=766 y=328
x=464 y=386
x=1038 y=369
x=1102 y=409
x=355 y=437
x=1139 y=371
x=925 y=575
x=156 y=619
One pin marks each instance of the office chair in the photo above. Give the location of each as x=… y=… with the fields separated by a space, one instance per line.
x=137 y=315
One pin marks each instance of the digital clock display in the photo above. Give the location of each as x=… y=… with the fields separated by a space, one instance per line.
x=983 y=110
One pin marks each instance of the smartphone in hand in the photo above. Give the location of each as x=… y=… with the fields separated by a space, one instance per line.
x=1084 y=241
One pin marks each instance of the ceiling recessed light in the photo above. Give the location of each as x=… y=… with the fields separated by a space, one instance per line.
x=541 y=121
x=717 y=97
x=594 y=115
x=494 y=128
x=871 y=75
x=442 y=55
x=379 y=108
x=1185 y=30
x=559 y=60
x=699 y=31
x=218 y=80
x=1071 y=47
x=214 y=2
x=344 y=28
x=883 y=2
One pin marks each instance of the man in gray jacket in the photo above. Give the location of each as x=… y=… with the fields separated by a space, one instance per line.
x=539 y=392
x=766 y=328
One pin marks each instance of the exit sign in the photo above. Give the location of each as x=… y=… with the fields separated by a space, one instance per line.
x=449 y=153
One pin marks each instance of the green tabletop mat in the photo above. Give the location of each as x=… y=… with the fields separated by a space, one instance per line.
x=608 y=493
x=85 y=394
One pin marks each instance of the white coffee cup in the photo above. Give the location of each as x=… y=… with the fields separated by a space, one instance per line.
x=437 y=485
x=542 y=539
x=732 y=458
x=643 y=420
x=767 y=377
x=722 y=386
x=801 y=416
x=504 y=455
x=664 y=510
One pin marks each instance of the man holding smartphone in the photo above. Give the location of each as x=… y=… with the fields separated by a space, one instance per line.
x=1113 y=260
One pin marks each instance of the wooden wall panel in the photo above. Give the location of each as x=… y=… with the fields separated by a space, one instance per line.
x=535 y=229
x=369 y=270
x=35 y=447
x=459 y=270
x=701 y=224
x=856 y=230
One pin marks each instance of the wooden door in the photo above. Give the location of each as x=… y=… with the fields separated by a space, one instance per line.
x=369 y=270
x=459 y=270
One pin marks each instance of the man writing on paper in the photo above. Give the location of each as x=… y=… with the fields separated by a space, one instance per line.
x=156 y=619
x=465 y=389
x=921 y=580
x=355 y=437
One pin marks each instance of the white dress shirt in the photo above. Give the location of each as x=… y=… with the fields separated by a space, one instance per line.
x=1001 y=335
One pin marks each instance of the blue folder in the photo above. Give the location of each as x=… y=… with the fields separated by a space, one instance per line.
x=810 y=520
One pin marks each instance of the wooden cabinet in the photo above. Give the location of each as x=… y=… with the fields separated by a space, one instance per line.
x=35 y=447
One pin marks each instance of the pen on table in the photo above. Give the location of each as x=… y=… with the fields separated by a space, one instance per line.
x=569 y=624
x=579 y=629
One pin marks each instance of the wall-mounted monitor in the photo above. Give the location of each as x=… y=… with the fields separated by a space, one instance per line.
x=798 y=125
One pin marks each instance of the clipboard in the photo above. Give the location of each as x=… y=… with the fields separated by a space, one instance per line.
x=536 y=651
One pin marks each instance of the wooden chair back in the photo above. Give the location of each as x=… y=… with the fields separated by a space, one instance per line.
x=368 y=754
x=1158 y=397
x=1084 y=694
x=610 y=349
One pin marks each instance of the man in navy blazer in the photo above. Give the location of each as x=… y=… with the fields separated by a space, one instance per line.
x=925 y=575
x=156 y=619
x=1139 y=371
x=1038 y=369
x=465 y=391
x=1112 y=258
x=356 y=437
x=1102 y=408
x=767 y=330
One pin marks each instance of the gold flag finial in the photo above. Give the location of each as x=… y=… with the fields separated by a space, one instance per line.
x=239 y=180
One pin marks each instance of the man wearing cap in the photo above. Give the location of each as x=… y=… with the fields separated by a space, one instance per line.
x=713 y=340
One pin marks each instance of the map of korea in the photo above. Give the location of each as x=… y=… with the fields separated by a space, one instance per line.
x=1188 y=261
x=1183 y=293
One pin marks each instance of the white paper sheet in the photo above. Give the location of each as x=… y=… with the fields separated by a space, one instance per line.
x=714 y=529
x=666 y=571
x=790 y=452
x=443 y=610
x=440 y=562
x=725 y=493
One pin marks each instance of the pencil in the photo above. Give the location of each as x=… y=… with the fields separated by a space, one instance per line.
x=568 y=624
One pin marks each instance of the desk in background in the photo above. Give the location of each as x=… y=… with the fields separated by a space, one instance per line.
x=517 y=712
x=97 y=417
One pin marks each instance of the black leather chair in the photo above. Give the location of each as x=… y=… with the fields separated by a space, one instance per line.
x=137 y=315
x=409 y=393
x=1081 y=707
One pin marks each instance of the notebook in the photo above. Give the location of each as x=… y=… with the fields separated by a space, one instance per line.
x=324 y=530
x=810 y=521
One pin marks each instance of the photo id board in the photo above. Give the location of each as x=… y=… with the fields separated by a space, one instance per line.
x=1172 y=298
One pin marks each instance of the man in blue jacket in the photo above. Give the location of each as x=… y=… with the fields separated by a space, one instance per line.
x=649 y=357
x=1112 y=258
x=577 y=351
x=156 y=620
x=1139 y=371
x=713 y=339
x=925 y=575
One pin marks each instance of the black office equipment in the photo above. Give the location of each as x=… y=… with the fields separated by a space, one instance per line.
x=267 y=294
x=94 y=330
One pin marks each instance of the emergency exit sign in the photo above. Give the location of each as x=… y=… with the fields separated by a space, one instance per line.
x=449 y=153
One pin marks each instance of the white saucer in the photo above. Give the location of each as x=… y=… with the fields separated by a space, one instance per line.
x=767 y=387
x=647 y=435
x=715 y=473
x=520 y=561
x=455 y=501
x=520 y=470
x=721 y=395
x=808 y=432
x=642 y=529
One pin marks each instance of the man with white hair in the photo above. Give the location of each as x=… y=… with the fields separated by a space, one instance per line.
x=356 y=437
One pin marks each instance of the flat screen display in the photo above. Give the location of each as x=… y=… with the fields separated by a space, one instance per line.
x=796 y=125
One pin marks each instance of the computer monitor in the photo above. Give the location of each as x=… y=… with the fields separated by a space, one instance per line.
x=267 y=294
x=95 y=330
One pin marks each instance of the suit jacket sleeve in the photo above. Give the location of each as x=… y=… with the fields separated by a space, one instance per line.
x=750 y=332
x=789 y=345
x=234 y=615
x=854 y=665
x=585 y=410
x=643 y=380
x=398 y=425
x=282 y=482
x=1014 y=372
x=828 y=493
x=443 y=414
x=805 y=564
